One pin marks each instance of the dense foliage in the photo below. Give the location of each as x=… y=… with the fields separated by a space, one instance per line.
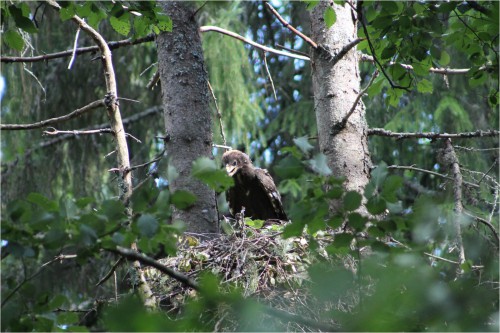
x=393 y=269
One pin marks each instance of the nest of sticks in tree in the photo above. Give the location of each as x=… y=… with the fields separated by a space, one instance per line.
x=262 y=265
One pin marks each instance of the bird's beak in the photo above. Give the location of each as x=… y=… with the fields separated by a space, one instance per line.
x=231 y=169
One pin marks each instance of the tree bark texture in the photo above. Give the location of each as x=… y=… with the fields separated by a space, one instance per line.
x=336 y=87
x=186 y=112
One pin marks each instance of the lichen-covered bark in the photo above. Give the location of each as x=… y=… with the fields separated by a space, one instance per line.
x=186 y=111
x=335 y=89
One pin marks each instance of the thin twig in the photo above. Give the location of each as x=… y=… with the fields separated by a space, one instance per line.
x=128 y=99
x=486 y=223
x=111 y=271
x=43 y=123
x=433 y=135
x=282 y=47
x=343 y=122
x=219 y=114
x=75 y=46
x=289 y=26
x=207 y=28
x=222 y=146
x=496 y=149
x=269 y=75
x=412 y=168
x=27 y=279
x=448 y=260
x=487 y=172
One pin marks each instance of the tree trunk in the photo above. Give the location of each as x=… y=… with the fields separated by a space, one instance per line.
x=186 y=112
x=336 y=86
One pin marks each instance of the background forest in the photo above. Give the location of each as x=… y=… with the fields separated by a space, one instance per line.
x=416 y=248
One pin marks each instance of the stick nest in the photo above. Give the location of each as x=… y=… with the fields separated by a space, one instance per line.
x=259 y=262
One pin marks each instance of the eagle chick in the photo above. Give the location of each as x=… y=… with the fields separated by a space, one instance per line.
x=253 y=189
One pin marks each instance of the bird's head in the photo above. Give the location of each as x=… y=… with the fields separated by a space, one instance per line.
x=235 y=160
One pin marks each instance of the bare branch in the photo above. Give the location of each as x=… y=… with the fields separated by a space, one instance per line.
x=448 y=260
x=248 y=41
x=270 y=77
x=432 y=135
x=75 y=46
x=111 y=271
x=81 y=50
x=219 y=114
x=148 y=261
x=51 y=121
x=435 y=70
x=486 y=223
x=289 y=26
x=412 y=168
x=154 y=80
x=451 y=158
x=54 y=131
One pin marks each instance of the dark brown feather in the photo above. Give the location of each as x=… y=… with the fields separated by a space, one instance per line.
x=253 y=189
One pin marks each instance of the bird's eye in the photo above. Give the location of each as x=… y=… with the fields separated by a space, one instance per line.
x=234 y=163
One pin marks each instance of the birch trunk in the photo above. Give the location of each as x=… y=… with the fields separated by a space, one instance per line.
x=336 y=87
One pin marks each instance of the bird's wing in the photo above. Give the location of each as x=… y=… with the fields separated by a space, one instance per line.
x=267 y=184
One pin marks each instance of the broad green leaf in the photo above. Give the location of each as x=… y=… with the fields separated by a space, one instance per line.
x=330 y=17
x=13 y=39
x=289 y=167
x=303 y=144
x=183 y=199
x=425 y=86
x=43 y=202
x=352 y=200
x=319 y=165
x=147 y=225
x=206 y=171
x=67 y=12
x=356 y=221
x=391 y=185
x=257 y=224
x=376 y=205
x=121 y=24
x=164 y=22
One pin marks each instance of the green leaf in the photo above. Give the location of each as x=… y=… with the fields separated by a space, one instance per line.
x=319 y=165
x=121 y=24
x=206 y=171
x=293 y=229
x=330 y=17
x=43 y=202
x=88 y=235
x=147 y=225
x=388 y=52
x=425 y=86
x=303 y=144
x=13 y=40
x=257 y=224
x=289 y=167
x=343 y=240
x=352 y=200
x=444 y=60
x=391 y=185
x=66 y=318
x=164 y=22
x=183 y=199
x=67 y=12
x=357 y=221
x=376 y=205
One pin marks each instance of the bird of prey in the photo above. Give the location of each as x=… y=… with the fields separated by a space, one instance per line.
x=253 y=189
